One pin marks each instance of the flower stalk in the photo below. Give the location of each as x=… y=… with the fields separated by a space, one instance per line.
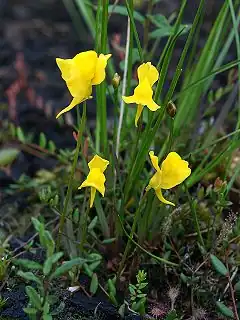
x=133 y=229
x=73 y=169
x=84 y=230
x=195 y=218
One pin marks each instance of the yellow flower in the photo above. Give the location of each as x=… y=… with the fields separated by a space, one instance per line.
x=173 y=171
x=96 y=178
x=81 y=73
x=147 y=76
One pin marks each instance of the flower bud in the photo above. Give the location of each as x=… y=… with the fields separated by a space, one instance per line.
x=171 y=109
x=116 y=80
x=45 y=194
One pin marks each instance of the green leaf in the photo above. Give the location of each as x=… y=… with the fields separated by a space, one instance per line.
x=28 y=264
x=67 y=266
x=51 y=146
x=20 y=135
x=48 y=242
x=42 y=140
x=137 y=306
x=29 y=276
x=184 y=278
x=87 y=270
x=102 y=217
x=36 y=224
x=227 y=312
x=237 y=286
x=142 y=285
x=112 y=287
x=160 y=21
x=107 y=241
x=34 y=297
x=47 y=267
x=30 y=310
x=113 y=299
x=92 y=257
x=164 y=29
x=46 y=307
x=218 y=265
x=123 y=11
x=132 y=290
x=219 y=93
x=94 y=284
x=8 y=155
x=172 y=315
x=94 y=265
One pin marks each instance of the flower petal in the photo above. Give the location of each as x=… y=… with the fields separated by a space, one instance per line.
x=65 y=66
x=143 y=92
x=154 y=160
x=155 y=181
x=147 y=70
x=79 y=88
x=138 y=114
x=143 y=95
x=100 y=72
x=85 y=65
x=95 y=179
x=74 y=102
x=98 y=163
x=161 y=198
x=130 y=99
x=152 y=105
x=92 y=196
x=174 y=171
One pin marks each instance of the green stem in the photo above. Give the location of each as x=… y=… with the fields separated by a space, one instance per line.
x=150 y=131
x=130 y=14
x=195 y=218
x=136 y=143
x=126 y=251
x=70 y=182
x=98 y=27
x=161 y=260
x=146 y=26
x=103 y=106
x=170 y=139
x=115 y=110
x=129 y=64
x=101 y=123
x=211 y=144
x=144 y=223
x=84 y=230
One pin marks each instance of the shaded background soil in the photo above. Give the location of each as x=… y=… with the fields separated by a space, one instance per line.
x=34 y=33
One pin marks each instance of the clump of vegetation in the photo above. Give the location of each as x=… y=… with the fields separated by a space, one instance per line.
x=153 y=189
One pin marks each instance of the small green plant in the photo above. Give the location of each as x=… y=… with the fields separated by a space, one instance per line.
x=89 y=268
x=3 y=302
x=223 y=271
x=41 y=275
x=47 y=196
x=4 y=259
x=137 y=297
x=172 y=315
x=112 y=291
